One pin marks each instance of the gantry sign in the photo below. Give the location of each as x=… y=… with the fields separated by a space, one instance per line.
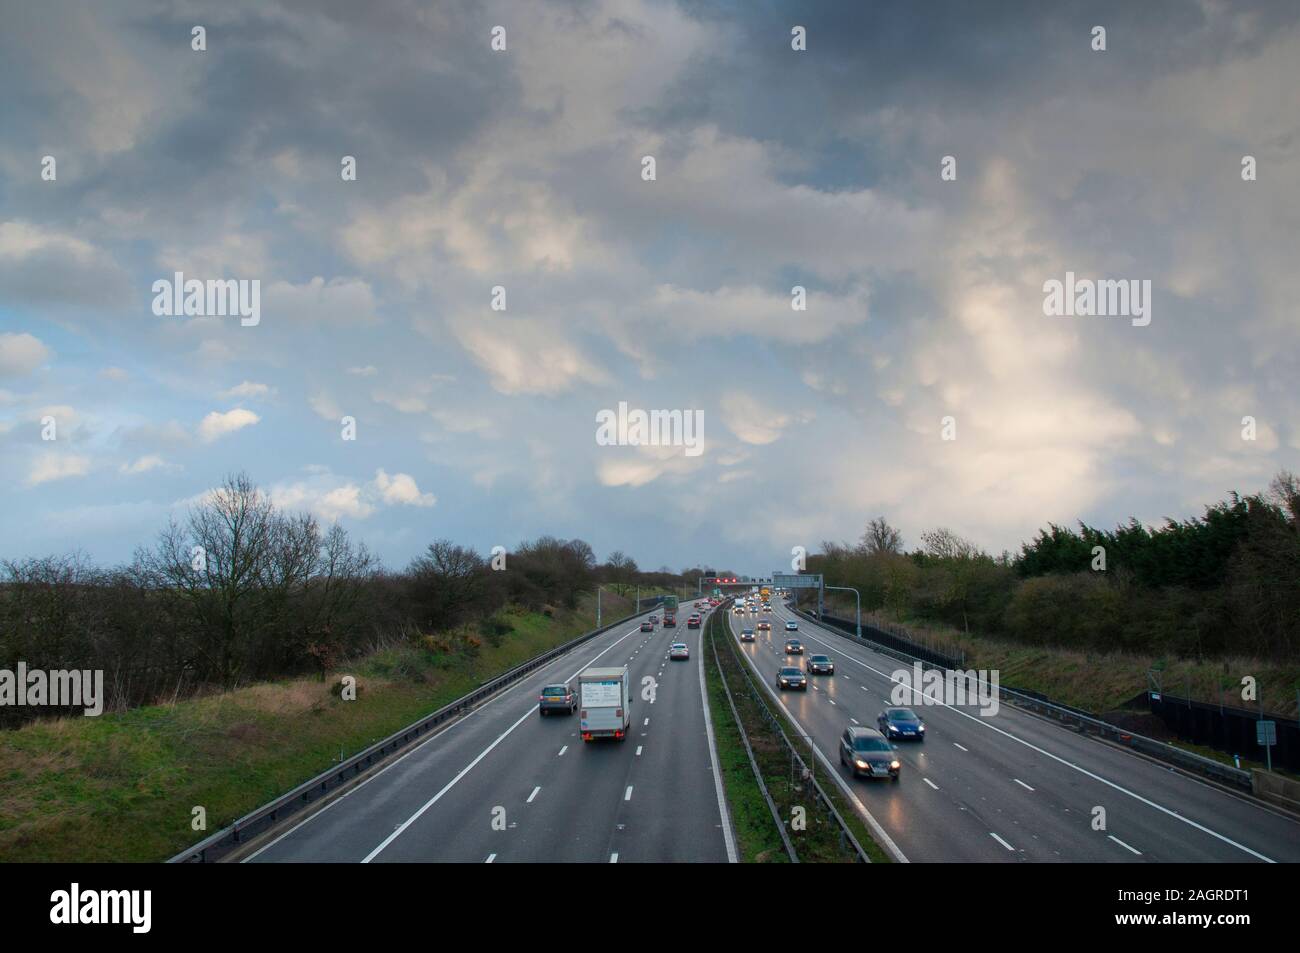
x=778 y=580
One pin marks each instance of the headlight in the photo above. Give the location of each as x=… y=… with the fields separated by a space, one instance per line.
x=862 y=764
x=894 y=765
x=920 y=727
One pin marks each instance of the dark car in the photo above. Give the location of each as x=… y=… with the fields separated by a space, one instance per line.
x=654 y=620
x=765 y=626
x=868 y=752
x=791 y=678
x=793 y=647
x=747 y=635
x=901 y=723
x=647 y=626
x=820 y=665
x=557 y=698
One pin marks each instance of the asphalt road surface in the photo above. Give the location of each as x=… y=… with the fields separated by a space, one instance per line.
x=1011 y=786
x=654 y=797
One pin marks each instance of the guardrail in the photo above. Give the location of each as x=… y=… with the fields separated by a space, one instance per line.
x=744 y=737
x=1084 y=722
x=257 y=822
x=806 y=769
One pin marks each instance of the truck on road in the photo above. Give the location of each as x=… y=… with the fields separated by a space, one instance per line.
x=605 y=700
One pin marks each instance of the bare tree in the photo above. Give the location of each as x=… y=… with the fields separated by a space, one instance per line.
x=880 y=537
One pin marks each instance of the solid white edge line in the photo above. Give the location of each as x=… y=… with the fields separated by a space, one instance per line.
x=876 y=829
x=728 y=836
x=1070 y=764
x=397 y=832
x=1124 y=845
x=1001 y=841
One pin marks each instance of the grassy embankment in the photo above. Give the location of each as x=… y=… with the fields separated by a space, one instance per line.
x=1102 y=682
x=121 y=787
x=756 y=834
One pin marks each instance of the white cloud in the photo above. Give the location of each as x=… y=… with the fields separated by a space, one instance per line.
x=145 y=464
x=248 y=389
x=54 y=466
x=324 y=406
x=115 y=374
x=338 y=301
x=401 y=489
x=20 y=354
x=217 y=424
x=527 y=358
x=750 y=420
x=368 y=370
x=329 y=502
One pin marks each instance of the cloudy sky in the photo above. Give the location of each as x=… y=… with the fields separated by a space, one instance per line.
x=523 y=169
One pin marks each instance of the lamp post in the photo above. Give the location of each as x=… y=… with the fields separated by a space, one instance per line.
x=857 y=598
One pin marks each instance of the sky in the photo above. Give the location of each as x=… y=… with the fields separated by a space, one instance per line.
x=523 y=169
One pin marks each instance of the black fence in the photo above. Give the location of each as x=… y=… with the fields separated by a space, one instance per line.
x=871 y=634
x=1230 y=730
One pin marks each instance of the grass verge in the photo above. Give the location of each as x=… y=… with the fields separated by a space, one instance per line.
x=757 y=840
x=123 y=786
x=1104 y=681
x=820 y=840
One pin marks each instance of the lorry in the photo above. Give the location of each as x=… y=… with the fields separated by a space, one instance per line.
x=605 y=702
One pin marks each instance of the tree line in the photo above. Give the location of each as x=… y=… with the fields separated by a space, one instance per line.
x=239 y=590
x=1224 y=583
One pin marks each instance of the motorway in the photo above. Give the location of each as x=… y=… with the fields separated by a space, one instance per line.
x=506 y=785
x=1010 y=786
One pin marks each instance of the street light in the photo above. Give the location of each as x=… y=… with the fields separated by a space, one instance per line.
x=857 y=598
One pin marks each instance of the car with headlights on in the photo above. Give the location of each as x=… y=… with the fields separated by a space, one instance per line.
x=901 y=723
x=792 y=626
x=820 y=665
x=679 y=652
x=747 y=635
x=791 y=678
x=793 y=647
x=765 y=626
x=868 y=753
